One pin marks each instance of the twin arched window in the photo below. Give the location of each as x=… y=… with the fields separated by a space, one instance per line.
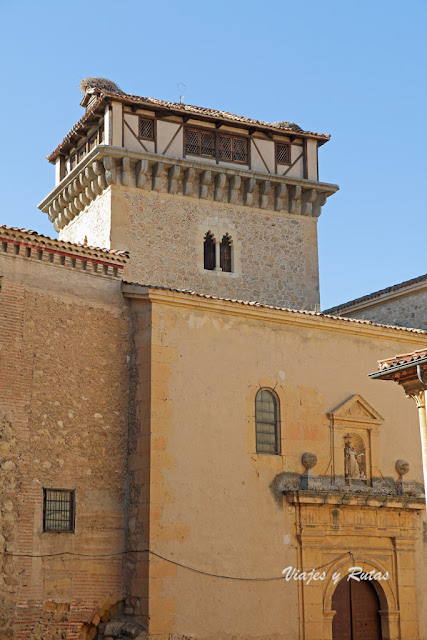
x=267 y=422
x=211 y=256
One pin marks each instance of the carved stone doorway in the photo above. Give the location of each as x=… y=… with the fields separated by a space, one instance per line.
x=357 y=609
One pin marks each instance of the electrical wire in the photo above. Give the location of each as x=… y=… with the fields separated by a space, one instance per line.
x=157 y=555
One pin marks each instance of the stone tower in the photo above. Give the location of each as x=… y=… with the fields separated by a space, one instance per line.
x=202 y=199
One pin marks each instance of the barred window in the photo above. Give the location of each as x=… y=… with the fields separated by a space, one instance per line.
x=209 y=252
x=81 y=152
x=283 y=153
x=225 y=254
x=200 y=143
x=146 y=129
x=233 y=149
x=267 y=422
x=58 y=510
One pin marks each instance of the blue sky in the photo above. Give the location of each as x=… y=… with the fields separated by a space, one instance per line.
x=356 y=70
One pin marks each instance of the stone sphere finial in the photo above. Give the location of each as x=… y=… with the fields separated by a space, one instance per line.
x=402 y=467
x=309 y=459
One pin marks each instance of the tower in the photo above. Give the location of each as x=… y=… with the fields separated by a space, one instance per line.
x=202 y=199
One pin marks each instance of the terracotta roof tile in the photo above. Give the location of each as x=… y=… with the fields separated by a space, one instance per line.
x=185 y=109
x=376 y=294
x=261 y=305
x=22 y=235
x=404 y=358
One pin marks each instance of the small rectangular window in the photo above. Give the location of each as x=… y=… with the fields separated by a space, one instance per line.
x=233 y=149
x=58 y=510
x=283 y=153
x=101 y=134
x=81 y=153
x=146 y=129
x=200 y=143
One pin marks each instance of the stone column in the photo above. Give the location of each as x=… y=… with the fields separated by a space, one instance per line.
x=420 y=400
x=217 y=256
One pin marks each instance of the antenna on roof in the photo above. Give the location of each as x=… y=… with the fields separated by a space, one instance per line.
x=181 y=88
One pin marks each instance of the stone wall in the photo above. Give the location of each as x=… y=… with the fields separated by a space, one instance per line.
x=405 y=311
x=93 y=224
x=274 y=254
x=63 y=425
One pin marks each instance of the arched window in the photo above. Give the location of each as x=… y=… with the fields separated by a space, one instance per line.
x=209 y=251
x=225 y=253
x=267 y=422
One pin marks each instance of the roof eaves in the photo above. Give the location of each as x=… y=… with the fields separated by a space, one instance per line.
x=21 y=235
x=376 y=294
x=304 y=312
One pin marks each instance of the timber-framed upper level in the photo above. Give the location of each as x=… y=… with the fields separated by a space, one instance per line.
x=153 y=144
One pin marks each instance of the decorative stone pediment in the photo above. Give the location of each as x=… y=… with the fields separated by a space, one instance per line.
x=356 y=411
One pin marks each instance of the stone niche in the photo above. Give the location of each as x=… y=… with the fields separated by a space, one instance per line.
x=355 y=429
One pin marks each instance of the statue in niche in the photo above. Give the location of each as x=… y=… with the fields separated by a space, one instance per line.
x=353 y=463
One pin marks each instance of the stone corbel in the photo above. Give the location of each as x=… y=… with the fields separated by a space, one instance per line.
x=158 y=173
x=98 y=169
x=92 y=181
x=234 y=189
x=110 y=170
x=264 y=191
x=318 y=204
x=295 y=199
x=248 y=191
x=205 y=180
x=220 y=180
x=279 y=196
x=125 y=172
x=308 y=198
x=141 y=173
x=173 y=175
x=189 y=176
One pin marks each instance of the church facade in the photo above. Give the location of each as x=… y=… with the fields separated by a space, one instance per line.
x=189 y=448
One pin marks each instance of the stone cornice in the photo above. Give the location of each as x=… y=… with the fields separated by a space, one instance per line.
x=257 y=311
x=106 y=165
x=344 y=499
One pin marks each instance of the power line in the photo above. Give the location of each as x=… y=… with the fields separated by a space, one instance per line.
x=157 y=555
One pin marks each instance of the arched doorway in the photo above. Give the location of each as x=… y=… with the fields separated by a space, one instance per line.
x=357 y=611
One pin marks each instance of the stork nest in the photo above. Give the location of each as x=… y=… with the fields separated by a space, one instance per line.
x=282 y=124
x=89 y=85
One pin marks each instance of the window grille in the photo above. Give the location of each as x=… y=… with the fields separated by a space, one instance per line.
x=225 y=254
x=283 y=153
x=81 y=152
x=209 y=252
x=225 y=152
x=266 y=422
x=200 y=143
x=146 y=129
x=207 y=146
x=73 y=161
x=101 y=134
x=234 y=149
x=239 y=150
x=58 y=510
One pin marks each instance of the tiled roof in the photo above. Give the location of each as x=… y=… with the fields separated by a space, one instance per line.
x=28 y=236
x=403 y=359
x=261 y=305
x=376 y=294
x=76 y=127
x=183 y=109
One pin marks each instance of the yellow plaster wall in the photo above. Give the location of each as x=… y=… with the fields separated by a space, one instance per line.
x=217 y=510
